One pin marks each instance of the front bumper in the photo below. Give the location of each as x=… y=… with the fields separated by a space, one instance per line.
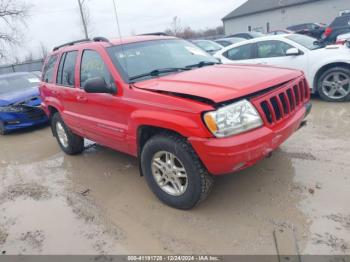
x=227 y=155
x=18 y=120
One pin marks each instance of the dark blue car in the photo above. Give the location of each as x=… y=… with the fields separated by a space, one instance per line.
x=20 y=102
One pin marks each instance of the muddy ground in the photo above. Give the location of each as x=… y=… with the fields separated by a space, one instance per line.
x=297 y=201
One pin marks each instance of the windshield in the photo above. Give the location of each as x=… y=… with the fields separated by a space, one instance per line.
x=15 y=83
x=306 y=41
x=256 y=34
x=208 y=45
x=141 y=58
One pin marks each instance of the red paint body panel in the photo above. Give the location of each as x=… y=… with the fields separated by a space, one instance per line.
x=221 y=82
x=227 y=155
x=114 y=120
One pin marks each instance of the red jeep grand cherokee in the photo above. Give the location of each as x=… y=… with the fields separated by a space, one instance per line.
x=162 y=99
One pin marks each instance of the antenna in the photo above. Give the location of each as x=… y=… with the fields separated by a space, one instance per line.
x=120 y=36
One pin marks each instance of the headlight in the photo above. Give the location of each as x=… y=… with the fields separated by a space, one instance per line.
x=233 y=119
x=12 y=109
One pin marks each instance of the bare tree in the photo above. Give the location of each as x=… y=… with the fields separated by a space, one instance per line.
x=12 y=12
x=176 y=28
x=43 y=51
x=29 y=57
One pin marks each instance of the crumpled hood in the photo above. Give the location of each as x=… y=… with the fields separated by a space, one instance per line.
x=221 y=82
x=30 y=97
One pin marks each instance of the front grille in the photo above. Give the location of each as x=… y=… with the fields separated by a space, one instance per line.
x=35 y=114
x=279 y=104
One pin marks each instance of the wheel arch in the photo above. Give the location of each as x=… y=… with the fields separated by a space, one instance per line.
x=52 y=110
x=324 y=68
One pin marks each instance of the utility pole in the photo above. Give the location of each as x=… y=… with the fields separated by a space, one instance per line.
x=83 y=18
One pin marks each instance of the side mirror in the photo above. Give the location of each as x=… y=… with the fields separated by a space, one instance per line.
x=293 y=52
x=98 y=85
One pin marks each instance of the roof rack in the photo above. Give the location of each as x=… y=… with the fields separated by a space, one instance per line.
x=95 y=39
x=100 y=39
x=157 y=33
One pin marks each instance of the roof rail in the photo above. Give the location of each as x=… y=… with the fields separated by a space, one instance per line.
x=95 y=39
x=100 y=39
x=71 y=43
x=157 y=33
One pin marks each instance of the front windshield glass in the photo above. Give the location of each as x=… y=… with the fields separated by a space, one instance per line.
x=306 y=41
x=144 y=57
x=15 y=83
x=208 y=45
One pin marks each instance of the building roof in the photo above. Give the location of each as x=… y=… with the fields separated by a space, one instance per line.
x=257 y=6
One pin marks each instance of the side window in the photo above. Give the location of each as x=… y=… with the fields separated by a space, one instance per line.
x=240 y=53
x=49 y=68
x=92 y=66
x=272 y=49
x=66 y=69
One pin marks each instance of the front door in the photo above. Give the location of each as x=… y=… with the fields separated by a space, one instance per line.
x=102 y=115
x=274 y=53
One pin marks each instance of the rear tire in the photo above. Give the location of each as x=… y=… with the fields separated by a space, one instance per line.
x=334 y=84
x=194 y=183
x=69 y=142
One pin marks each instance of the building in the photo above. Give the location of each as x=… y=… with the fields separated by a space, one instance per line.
x=267 y=15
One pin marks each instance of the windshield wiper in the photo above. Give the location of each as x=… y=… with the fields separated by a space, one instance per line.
x=158 y=72
x=202 y=63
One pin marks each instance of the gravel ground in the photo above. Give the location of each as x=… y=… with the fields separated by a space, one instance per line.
x=297 y=201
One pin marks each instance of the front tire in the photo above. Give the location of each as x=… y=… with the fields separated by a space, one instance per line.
x=174 y=172
x=334 y=84
x=3 y=131
x=69 y=142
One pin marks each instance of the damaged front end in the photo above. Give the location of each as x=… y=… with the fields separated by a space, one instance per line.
x=22 y=114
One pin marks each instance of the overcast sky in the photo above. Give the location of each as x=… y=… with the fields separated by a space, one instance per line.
x=53 y=22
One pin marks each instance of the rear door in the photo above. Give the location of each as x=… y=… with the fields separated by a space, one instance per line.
x=66 y=88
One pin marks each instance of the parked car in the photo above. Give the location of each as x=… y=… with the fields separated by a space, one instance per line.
x=340 y=25
x=209 y=46
x=229 y=41
x=341 y=39
x=310 y=29
x=170 y=104
x=327 y=68
x=280 y=32
x=19 y=102
x=37 y=73
x=247 y=35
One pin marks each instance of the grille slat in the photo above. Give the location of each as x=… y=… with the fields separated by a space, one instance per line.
x=272 y=111
x=279 y=104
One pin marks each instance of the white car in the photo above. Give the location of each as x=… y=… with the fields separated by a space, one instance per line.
x=327 y=69
x=341 y=39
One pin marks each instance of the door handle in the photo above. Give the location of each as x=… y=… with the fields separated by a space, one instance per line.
x=54 y=92
x=262 y=63
x=82 y=99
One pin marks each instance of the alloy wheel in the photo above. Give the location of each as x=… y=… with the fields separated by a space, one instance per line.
x=62 y=135
x=169 y=173
x=336 y=85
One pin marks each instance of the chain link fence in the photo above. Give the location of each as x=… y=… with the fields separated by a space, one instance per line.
x=35 y=65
